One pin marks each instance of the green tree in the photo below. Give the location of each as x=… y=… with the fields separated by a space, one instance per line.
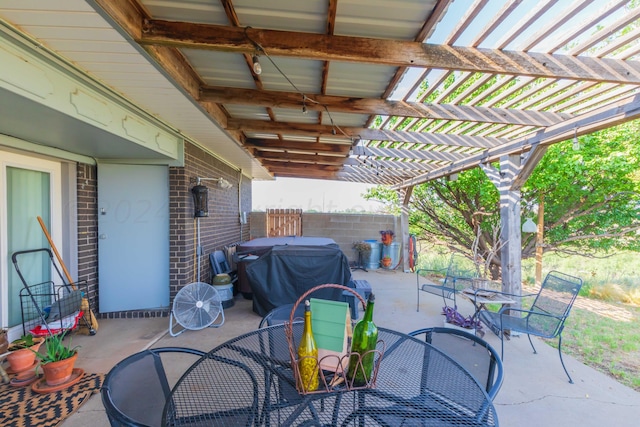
x=592 y=195
x=592 y=199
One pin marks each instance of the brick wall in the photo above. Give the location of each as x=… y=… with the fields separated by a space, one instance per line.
x=87 y=208
x=348 y=228
x=219 y=229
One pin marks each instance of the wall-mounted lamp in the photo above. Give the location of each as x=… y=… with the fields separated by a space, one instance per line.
x=257 y=68
x=201 y=195
x=200 y=200
x=529 y=226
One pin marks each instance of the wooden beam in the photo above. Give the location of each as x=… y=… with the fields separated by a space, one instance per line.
x=408 y=154
x=275 y=164
x=388 y=52
x=284 y=145
x=343 y=104
x=313 y=130
x=301 y=158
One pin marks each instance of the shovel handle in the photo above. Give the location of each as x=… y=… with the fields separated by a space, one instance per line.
x=55 y=251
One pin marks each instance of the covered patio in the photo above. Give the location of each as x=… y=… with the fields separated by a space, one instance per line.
x=395 y=92
x=386 y=92
x=535 y=391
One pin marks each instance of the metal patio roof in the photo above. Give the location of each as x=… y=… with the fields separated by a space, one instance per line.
x=392 y=92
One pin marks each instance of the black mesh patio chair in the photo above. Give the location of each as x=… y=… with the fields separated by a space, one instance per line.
x=281 y=314
x=135 y=390
x=546 y=316
x=457 y=276
x=472 y=352
x=196 y=399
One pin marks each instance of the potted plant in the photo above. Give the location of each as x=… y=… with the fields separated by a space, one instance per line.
x=23 y=352
x=386 y=261
x=58 y=360
x=363 y=248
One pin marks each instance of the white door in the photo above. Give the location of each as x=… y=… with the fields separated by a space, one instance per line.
x=133 y=237
x=29 y=187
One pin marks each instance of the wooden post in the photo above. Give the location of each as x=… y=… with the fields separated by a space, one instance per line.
x=510 y=254
x=405 y=195
x=540 y=241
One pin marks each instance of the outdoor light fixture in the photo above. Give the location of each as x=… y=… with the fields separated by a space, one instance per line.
x=529 y=226
x=201 y=195
x=200 y=200
x=257 y=68
x=576 y=143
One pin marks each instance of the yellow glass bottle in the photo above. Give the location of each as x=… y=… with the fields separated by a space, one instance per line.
x=308 y=353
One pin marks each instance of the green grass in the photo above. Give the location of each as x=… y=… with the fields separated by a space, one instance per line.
x=620 y=270
x=610 y=345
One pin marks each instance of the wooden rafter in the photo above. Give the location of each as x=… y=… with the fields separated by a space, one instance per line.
x=318 y=102
x=312 y=130
x=482 y=103
x=388 y=52
x=610 y=115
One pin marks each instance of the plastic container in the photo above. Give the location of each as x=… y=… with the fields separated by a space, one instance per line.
x=373 y=261
x=226 y=295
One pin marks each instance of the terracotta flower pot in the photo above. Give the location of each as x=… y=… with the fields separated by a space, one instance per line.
x=386 y=262
x=56 y=373
x=22 y=359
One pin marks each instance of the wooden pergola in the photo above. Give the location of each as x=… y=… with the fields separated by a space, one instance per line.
x=391 y=92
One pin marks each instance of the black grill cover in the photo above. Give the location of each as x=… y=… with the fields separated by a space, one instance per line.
x=282 y=274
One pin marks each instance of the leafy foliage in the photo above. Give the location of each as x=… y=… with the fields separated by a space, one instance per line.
x=592 y=196
x=592 y=199
x=56 y=350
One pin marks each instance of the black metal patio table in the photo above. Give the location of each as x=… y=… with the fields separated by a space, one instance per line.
x=249 y=381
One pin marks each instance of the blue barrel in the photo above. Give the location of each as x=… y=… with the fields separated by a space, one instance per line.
x=393 y=252
x=373 y=261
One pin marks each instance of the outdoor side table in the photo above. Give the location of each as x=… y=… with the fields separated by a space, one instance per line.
x=417 y=385
x=480 y=298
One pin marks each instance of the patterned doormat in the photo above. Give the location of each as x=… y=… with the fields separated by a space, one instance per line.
x=21 y=407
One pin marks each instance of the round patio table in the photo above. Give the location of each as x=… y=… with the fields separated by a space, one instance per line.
x=248 y=381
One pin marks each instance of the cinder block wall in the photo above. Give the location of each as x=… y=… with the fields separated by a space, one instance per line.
x=343 y=228
x=348 y=228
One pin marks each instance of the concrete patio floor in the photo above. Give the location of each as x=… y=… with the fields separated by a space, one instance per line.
x=535 y=391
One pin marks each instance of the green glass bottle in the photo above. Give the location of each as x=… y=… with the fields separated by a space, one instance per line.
x=308 y=353
x=365 y=338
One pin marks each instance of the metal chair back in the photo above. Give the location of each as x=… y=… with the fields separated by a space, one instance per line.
x=281 y=314
x=474 y=354
x=544 y=318
x=556 y=297
x=136 y=389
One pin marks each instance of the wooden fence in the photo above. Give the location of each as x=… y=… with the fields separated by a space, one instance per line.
x=284 y=222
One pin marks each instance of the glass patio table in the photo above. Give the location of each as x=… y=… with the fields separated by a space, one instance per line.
x=248 y=381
